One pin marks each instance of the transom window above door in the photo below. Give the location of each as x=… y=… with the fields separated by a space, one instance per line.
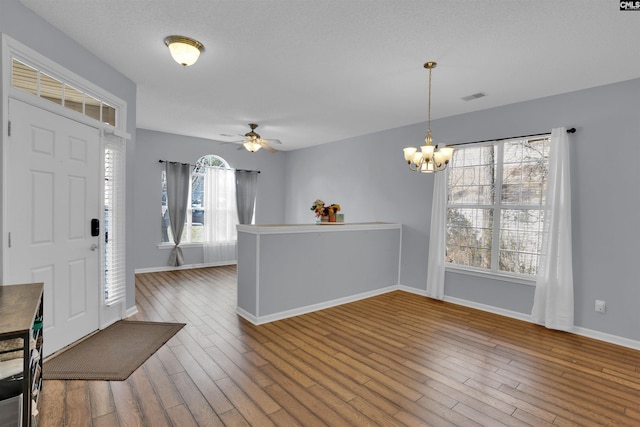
x=39 y=83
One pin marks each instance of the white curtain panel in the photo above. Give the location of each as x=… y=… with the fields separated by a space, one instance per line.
x=437 y=237
x=553 y=300
x=220 y=216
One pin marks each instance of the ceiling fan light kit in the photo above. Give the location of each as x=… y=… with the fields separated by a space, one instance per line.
x=253 y=141
x=184 y=50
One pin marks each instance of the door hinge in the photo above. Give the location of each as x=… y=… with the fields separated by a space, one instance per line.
x=9 y=239
x=9 y=128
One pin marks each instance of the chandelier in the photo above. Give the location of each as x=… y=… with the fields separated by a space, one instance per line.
x=429 y=159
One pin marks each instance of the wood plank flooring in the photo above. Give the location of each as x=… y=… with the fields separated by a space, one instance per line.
x=393 y=360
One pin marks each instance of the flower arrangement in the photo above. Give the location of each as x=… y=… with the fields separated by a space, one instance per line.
x=321 y=210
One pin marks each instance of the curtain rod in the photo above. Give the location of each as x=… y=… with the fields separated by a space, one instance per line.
x=241 y=170
x=572 y=130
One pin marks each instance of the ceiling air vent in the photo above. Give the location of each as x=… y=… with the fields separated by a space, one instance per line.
x=474 y=96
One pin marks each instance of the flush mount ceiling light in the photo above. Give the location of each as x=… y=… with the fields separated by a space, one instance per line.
x=429 y=159
x=184 y=50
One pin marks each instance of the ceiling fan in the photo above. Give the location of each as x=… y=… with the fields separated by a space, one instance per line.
x=253 y=141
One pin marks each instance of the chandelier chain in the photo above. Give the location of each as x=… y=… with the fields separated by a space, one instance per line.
x=429 y=103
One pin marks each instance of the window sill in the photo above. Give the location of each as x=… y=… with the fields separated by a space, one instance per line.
x=522 y=280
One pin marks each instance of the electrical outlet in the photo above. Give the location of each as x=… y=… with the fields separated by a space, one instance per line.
x=600 y=306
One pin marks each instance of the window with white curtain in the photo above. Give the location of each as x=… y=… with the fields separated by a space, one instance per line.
x=495 y=206
x=194 y=231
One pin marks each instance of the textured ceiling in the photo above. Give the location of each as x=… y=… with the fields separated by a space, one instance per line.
x=311 y=72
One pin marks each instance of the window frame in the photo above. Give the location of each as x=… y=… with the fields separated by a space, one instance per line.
x=14 y=50
x=498 y=207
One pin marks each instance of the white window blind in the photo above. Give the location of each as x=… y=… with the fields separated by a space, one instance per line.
x=114 y=221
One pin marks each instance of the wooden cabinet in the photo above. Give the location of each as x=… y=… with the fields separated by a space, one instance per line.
x=21 y=344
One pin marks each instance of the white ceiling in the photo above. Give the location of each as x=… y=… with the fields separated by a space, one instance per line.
x=316 y=71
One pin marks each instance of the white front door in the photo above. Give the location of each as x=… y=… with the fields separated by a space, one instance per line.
x=52 y=194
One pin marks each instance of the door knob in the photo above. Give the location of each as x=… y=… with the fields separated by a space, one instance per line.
x=93 y=247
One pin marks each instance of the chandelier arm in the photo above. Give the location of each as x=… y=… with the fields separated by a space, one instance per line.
x=442 y=166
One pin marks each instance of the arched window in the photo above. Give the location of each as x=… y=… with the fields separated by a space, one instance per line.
x=194 y=225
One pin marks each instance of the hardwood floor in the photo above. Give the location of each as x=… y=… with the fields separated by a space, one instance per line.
x=395 y=359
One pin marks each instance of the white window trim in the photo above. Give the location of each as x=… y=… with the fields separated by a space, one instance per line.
x=14 y=49
x=486 y=274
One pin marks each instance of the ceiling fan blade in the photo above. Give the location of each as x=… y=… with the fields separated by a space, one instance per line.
x=272 y=141
x=266 y=147
x=241 y=147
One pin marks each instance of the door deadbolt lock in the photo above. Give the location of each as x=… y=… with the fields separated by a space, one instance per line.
x=95 y=227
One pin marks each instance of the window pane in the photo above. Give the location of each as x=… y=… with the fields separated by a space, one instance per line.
x=108 y=114
x=24 y=77
x=525 y=171
x=50 y=88
x=472 y=176
x=92 y=107
x=197 y=207
x=73 y=99
x=209 y=160
x=469 y=237
x=520 y=240
x=166 y=235
x=514 y=262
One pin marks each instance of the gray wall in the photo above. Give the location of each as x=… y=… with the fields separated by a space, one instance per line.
x=152 y=146
x=367 y=176
x=29 y=29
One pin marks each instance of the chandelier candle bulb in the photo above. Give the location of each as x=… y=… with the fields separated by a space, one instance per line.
x=427 y=152
x=437 y=157
x=447 y=154
x=409 y=153
x=417 y=158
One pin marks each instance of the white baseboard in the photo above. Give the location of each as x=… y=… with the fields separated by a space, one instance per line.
x=589 y=333
x=489 y=308
x=259 y=320
x=131 y=311
x=613 y=339
x=247 y=316
x=183 y=267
